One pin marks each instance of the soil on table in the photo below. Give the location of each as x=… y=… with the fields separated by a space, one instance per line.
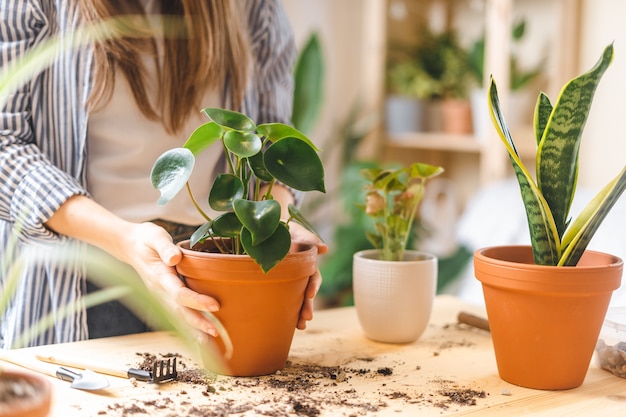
x=300 y=389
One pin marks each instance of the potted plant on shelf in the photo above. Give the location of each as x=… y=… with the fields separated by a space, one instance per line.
x=409 y=88
x=447 y=62
x=393 y=286
x=546 y=302
x=242 y=257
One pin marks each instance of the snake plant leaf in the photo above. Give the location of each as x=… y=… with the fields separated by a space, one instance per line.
x=296 y=164
x=543 y=109
x=260 y=218
x=257 y=166
x=200 y=234
x=227 y=225
x=171 y=171
x=557 y=155
x=277 y=131
x=543 y=232
x=299 y=218
x=273 y=249
x=230 y=119
x=226 y=189
x=581 y=231
x=242 y=144
x=203 y=137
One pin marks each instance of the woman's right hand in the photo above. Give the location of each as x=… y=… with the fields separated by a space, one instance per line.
x=146 y=247
x=155 y=257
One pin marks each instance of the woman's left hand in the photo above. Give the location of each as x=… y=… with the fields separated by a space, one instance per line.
x=300 y=236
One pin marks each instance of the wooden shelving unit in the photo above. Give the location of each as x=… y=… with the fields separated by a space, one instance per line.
x=472 y=162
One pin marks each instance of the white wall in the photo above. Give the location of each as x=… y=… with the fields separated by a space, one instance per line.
x=604 y=143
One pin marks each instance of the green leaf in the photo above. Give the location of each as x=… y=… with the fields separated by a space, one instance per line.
x=581 y=231
x=261 y=218
x=227 y=225
x=230 y=119
x=557 y=155
x=543 y=109
x=299 y=218
x=277 y=131
x=171 y=171
x=242 y=144
x=257 y=166
x=226 y=189
x=200 y=233
x=543 y=233
x=203 y=137
x=308 y=85
x=424 y=171
x=295 y=164
x=271 y=251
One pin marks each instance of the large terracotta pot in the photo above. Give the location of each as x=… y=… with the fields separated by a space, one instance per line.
x=36 y=405
x=545 y=320
x=394 y=299
x=259 y=310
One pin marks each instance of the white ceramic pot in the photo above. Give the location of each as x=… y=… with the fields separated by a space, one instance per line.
x=394 y=299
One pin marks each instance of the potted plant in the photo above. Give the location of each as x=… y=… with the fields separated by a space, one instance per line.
x=24 y=394
x=393 y=286
x=447 y=62
x=409 y=86
x=546 y=302
x=242 y=256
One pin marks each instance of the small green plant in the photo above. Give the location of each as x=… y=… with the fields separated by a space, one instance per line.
x=555 y=238
x=257 y=155
x=392 y=200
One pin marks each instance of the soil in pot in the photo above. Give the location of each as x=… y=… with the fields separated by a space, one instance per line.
x=259 y=310
x=545 y=320
x=24 y=395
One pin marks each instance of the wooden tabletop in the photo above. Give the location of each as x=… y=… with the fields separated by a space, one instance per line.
x=334 y=370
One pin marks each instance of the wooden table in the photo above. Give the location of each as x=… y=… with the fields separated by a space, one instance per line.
x=335 y=371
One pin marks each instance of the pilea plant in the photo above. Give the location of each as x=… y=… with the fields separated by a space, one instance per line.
x=555 y=238
x=257 y=157
x=392 y=200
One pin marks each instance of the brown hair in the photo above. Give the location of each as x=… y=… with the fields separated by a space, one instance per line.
x=204 y=47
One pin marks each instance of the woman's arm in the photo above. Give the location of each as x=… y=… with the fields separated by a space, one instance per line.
x=144 y=246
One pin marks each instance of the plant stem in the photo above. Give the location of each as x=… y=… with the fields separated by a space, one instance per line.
x=195 y=203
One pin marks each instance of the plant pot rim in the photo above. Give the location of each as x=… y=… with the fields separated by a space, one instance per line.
x=411 y=255
x=596 y=272
x=41 y=403
x=487 y=255
x=242 y=267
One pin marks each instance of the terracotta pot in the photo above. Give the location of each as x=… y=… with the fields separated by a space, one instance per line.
x=456 y=116
x=37 y=405
x=394 y=299
x=545 y=320
x=259 y=310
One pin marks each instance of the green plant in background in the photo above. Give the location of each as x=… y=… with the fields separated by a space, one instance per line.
x=555 y=238
x=392 y=200
x=308 y=94
x=519 y=78
x=250 y=223
x=437 y=67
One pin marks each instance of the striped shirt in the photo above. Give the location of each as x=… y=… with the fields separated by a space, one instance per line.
x=43 y=131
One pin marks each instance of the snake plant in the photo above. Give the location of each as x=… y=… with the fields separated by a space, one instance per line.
x=555 y=238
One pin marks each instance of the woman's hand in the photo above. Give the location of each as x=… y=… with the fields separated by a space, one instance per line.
x=155 y=259
x=146 y=247
x=299 y=236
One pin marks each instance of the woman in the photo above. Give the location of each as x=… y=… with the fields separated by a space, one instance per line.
x=77 y=142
